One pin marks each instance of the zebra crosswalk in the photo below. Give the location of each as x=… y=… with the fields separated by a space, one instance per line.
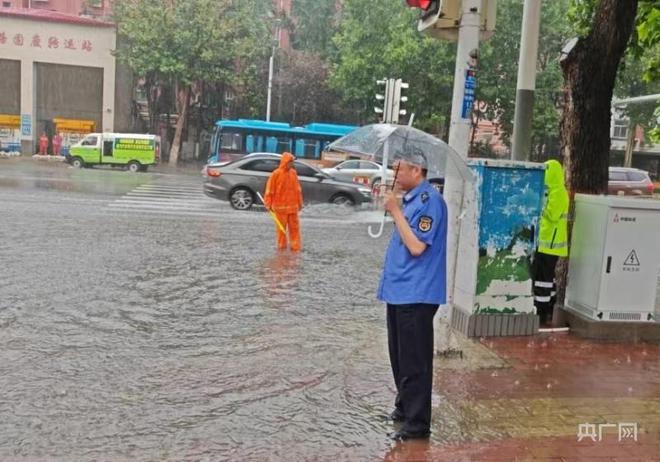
x=167 y=198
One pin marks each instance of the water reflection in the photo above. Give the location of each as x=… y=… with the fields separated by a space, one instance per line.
x=411 y=450
x=279 y=274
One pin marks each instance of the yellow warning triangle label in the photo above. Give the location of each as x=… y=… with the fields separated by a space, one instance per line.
x=631 y=260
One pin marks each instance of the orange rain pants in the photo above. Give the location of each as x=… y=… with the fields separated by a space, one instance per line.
x=291 y=223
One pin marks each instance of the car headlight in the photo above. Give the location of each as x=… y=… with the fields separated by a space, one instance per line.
x=365 y=191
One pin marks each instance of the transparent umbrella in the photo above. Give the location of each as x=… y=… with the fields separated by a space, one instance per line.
x=387 y=143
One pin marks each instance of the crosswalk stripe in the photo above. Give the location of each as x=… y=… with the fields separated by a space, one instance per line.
x=152 y=205
x=177 y=195
x=182 y=191
x=180 y=199
x=171 y=213
x=169 y=188
x=169 y=191
x=157 y=200
x=169 y=199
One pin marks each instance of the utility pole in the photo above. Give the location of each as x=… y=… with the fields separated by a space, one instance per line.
x=529 y=44
x=271 y=63
x=461 y=120
x=475 y=20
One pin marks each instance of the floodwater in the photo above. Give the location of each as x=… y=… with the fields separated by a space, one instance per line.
x=126 y=336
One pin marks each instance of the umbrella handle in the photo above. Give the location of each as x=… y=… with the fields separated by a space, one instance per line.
x=379 y=233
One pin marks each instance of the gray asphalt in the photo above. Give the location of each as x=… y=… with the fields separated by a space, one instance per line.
x=141 y=320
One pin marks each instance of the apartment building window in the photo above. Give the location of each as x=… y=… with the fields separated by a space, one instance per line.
x=620 y=130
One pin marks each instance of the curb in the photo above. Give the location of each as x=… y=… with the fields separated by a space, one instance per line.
x=48 y=158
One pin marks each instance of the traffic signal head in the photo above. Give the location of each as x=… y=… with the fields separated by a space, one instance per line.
x=423 y=4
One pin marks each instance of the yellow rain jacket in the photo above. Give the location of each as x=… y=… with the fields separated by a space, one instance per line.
x=553 y=235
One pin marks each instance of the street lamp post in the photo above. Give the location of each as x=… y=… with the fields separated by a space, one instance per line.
x=271 y=63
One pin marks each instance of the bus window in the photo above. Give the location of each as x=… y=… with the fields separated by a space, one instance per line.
x=231 y=141
x=271 y=144
x=283 y=145
x=299 y=148
x=308 y=148
x=249 y=144
x=259 y=143
x=213 y=149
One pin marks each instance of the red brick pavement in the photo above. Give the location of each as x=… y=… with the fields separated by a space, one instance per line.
x=531 y=410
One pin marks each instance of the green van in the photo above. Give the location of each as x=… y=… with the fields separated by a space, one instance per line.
x=135 y=152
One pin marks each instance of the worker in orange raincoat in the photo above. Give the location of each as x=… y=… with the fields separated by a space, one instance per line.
x=284 y=197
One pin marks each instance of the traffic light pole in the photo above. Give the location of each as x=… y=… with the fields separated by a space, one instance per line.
x=460 y=124
x=466 y=59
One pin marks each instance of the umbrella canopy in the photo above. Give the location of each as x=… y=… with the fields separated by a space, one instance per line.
x=386 y=143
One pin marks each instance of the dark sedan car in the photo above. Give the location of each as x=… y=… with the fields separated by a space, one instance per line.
x=238 y=182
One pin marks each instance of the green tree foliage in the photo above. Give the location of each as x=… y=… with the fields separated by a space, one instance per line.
x=639 y=73
x=647 y=39
x=498 y=72
x=314 y=24
x=186 y=41
x=306 y=96
x=380 y=39
x=645 y=42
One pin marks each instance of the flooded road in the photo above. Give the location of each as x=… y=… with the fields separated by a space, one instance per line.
x=130 y=336
x=143 y=321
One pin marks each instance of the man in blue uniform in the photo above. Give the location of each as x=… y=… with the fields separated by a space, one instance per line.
x=413 y=284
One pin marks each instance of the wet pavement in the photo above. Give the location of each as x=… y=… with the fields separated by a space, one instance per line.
x=140 y=320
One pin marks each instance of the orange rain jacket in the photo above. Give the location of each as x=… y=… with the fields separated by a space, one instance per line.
x=283 y=191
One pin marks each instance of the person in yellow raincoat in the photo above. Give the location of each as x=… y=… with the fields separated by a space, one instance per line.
x=284 y=197
x=552 y=243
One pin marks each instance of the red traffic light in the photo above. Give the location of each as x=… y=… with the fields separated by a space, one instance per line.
x=423 y=4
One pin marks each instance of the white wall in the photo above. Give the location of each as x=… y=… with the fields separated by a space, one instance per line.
x=46 y=42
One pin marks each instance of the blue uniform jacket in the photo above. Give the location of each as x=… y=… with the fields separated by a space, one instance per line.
x=423 y=279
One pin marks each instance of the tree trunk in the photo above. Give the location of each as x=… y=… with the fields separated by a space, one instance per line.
x=630 y=144
x=589 y=71
x=184 y=100
x=151 y=103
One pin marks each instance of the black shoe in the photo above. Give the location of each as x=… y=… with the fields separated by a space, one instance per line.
x=408 y=435
x=395 y=416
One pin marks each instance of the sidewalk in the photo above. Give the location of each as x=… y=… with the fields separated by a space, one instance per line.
x=187 y=168
x=533 y=407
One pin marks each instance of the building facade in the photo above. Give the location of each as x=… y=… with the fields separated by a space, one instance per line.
x=58 y=67
x=101 y=9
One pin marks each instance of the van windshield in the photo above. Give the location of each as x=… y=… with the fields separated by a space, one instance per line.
x=90 y=140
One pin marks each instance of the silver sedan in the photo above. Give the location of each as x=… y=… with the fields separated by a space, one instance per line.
x=238 y=182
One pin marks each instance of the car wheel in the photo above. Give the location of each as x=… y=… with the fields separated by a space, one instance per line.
x=241 y=199
x=77 y=162
x=134 y=166
x=342 y=199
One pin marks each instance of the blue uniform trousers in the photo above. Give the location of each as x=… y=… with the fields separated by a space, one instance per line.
x=410 y=341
